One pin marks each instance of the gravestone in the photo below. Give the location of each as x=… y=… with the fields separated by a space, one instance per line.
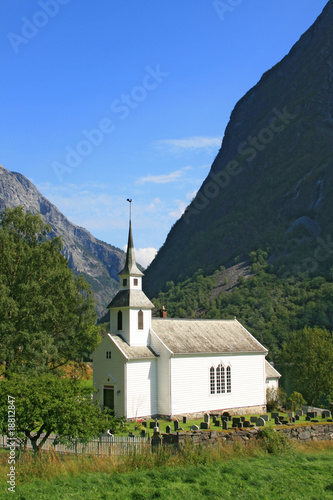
x=152 y=424
x=246 y=423
x=168 y=429
x=204 y=425
x=217 y=423
x=300 y=413
x=297 y=417
x=184 y=420
x=206 y=418
x=143 y=433
x=292 y=420
x=144 y=423
x=291 y=414
x=156 y=429
x=225 y=417
x=253 y=419
x=225 y=424
x=326 y=414
x=194 y=428
x=308 y=419
x=312 y=414
x=277 y=421
x=260 y=422
x=176 y=425
x=265 y=417
x=214 y=419
x=236 y=421
x=242 y=419
x=275 y=414
x=284 y=422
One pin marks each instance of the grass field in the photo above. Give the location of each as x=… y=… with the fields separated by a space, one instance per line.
x=301 y=472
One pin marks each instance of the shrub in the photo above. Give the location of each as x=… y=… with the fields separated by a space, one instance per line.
x=273 y=441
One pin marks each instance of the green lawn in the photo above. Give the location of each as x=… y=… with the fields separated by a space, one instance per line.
x=297 y=474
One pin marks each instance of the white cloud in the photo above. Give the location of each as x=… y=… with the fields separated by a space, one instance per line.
x=191 y=196
x=163 y=179
x=178 y=212
x=189 y=143
x=144 y=256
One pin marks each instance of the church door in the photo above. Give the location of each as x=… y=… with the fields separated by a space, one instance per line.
x=109 y=396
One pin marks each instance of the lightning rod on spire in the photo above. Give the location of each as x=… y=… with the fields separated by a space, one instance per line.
x=130 y=202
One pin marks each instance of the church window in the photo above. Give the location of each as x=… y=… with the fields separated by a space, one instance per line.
x=140 y=320
x=136 y=281
x=222 y=379
x=120 y=321
x=218 y=379
x=212 y=380
x=108 y=354
x=228 y=379
x=125 y=282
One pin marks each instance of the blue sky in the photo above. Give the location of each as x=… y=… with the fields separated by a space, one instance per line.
x=107 y=100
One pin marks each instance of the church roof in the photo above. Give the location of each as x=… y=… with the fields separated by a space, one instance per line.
x=130 y=265
x=131 y=298
x=184 y=336
x=131 y=352
x=270 y=371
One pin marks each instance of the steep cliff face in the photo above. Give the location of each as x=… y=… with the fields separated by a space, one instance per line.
x=271 y=183
x=96 y=260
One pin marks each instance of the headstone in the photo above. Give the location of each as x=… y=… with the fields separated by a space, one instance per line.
x=308 y=419
x=236 y=421
x=242 y=419
x=225 y=417
x=226 y=414
x=275 y=414
x=246 y=424
x=156 y=429
x=143 y=433
x=152 y=424
x=206 y=418
x=240 y=425
x=194 y=428
x=176 y=425
x=260 y=422
x=291 y=414
x=297 y=417
x=184 y=420
x=326 y=414
x=312 y=414
x=265 y=417
x=217 y=423
x=225 y=424
x=292 y=420
x=144 y=423
x=168 y=429
x=214 y=419
x=284 y=422
x=253 y=419
x=299 y=413
x=277 y=421
x=156 y=442
x=204 y=425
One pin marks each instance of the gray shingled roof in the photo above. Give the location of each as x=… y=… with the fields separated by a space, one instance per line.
x=183 y=336
x=131 y=298
x=270 y=371
x=132 y=352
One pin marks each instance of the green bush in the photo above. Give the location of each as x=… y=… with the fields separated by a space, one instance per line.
x=273 y=441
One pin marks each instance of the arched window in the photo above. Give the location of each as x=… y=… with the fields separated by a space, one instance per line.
x=120 y=321
x=218 y=379
x=140 y=320
x=212 y=380
x=228 y=379
x=222 y=379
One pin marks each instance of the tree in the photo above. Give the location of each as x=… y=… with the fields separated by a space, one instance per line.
x=46 y=404
x=309 y=356
x=47 y=314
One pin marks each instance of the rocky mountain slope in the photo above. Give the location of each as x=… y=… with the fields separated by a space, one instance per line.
x=271 y=184
x=96 y=260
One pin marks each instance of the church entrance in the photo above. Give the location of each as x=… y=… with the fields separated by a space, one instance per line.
x=108 y=399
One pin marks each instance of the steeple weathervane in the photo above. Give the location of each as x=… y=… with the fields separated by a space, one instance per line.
x=130 y=202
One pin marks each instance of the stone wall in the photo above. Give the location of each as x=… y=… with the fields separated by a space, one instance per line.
x=301 y=433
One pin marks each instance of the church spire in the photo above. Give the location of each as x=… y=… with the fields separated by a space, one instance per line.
x=130 y=269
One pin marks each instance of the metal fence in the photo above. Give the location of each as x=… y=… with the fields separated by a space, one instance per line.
x=104 y=445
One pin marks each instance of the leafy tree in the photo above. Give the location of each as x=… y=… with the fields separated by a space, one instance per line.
x=47 y=315
x=310 y=358
x=46 y=404
x=296 y=401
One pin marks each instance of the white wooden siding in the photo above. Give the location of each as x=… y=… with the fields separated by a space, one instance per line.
x=163 y=375
x=104 y=368
x=190 y=383
x=141 y=388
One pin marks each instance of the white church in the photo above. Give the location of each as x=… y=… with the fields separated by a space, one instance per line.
x=147 y=367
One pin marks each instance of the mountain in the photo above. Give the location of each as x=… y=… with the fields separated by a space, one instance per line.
x=271 y=184
x=97 y=261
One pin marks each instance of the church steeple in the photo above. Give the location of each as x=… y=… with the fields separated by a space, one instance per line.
x=130 y=269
